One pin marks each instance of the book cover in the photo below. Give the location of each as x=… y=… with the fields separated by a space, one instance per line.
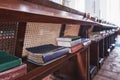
x=69 y=43
x=42 y=49
x=85 y=41
x=8 y=61
x=14 y=73
x=46 y=53
x=68 y=38
x=75 y=48
x=93 y=70
x=37 y=62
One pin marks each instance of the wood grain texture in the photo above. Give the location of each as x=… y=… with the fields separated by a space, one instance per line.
x=19 y=10
x=72 y=30
x=38 y=72
x=51 y=4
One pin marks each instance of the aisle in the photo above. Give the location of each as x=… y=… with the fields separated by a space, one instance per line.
x=111 y=67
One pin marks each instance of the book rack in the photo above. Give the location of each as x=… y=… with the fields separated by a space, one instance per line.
x=38 y=72
x=21 y=12
x=8 y=36
x=99 y=47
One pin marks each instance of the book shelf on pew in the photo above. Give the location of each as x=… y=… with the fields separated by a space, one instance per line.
x=56 y=16
x=79 y=62
x=73 y=61
x=100 y=44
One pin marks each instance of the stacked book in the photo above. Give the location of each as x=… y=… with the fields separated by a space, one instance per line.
x=72 y=42
x=44 y=54
x=85 y=41
x=11 y=67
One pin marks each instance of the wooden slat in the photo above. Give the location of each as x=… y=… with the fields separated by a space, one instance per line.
x=72 y=30
x=20 y=38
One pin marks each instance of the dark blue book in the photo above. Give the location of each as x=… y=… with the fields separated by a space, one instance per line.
x=45 y=53
x=93 y=70
x=84 y=39
x=42 y=49
x=68 y=38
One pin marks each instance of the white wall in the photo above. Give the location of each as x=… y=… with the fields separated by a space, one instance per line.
x=93 y=7
x=89 y=7
x=113 y=11
x=75 y=4
x=57 y=1
x=104 y=9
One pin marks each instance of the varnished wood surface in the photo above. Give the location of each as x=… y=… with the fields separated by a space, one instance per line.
x=94 y=54
x=18 y=10
x=105 y=25
x=54 y=5
x=23 y=11
x=35 y=71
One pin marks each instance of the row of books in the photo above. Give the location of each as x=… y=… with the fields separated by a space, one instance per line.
x=45 y=54
x=11 y=67
x=5 y=34
x=74 y=43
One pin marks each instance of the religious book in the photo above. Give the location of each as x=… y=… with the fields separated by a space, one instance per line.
x=8 y=61
x=14 y=73
x=75 y=48
x=68 y=38
x=45 y=53
x=85 y=41
x=38 y=62
x=93 y=70
x=69 y=43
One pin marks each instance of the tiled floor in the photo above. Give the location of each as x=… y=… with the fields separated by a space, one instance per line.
x=111 y=67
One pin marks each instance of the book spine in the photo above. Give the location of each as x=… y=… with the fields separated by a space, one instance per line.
x=14 y=73
x=65 y=44
x=75 y=48
x=11 y=64
x=68 y=39
x=64 y=39
x=36 y=57
x=76 y=42
x=69 y=44
x=53 y=55
x=86 y=43
x=93 y=71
